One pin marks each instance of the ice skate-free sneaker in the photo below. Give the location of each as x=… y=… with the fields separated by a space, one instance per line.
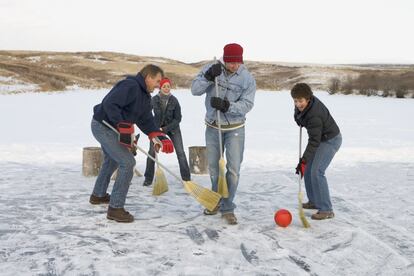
x=230 y=218
x=119 y=215
x=147 y=182
x=320 y=215
x=99 y=200
x=309 y=205
x=213 y=212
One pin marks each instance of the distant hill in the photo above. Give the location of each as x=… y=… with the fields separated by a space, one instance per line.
x=54 y=71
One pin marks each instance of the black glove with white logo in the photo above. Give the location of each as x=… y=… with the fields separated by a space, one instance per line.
x=212 y=72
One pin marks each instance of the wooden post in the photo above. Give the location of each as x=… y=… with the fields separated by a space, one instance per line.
x=198 y=159
x=92 y=161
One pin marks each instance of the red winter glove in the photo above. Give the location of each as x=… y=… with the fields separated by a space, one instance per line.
x=126 y=134
x=301 y=167
x=161 y=141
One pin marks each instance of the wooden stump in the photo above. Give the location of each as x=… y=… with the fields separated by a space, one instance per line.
x=198 y=159
x=92 y=161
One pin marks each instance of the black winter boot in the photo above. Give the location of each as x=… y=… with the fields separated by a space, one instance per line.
x=147 y=182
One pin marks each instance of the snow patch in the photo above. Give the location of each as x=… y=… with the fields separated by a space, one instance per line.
x=99 y=59
x=157 y=60
x=34 y=59
x=9 y=85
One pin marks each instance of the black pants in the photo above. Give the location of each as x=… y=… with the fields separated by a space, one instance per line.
x=177 y=140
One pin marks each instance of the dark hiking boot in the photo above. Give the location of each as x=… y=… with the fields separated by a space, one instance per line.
x=119 y=215
x=309 y=205
x=147 y=182
x=99 y=200
x=230 y=218
x=320 y=215
x=213 y=212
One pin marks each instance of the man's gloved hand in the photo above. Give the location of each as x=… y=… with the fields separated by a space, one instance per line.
x=161 y=141
x=301 y=167
x=212 y=72
x=220 y=104
x=126 y=134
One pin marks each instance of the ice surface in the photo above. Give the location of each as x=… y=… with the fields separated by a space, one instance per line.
x=47 y=226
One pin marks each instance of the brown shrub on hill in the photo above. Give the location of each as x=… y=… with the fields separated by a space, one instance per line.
x=384 y=82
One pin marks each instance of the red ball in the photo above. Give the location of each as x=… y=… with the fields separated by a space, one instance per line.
x=283 y=218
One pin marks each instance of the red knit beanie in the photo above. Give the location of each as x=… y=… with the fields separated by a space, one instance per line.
x=233 y=53
x=164 y=80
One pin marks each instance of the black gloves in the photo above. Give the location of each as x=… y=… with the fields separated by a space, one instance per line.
x=220 y=104
x=216 y=102
x=212 y=72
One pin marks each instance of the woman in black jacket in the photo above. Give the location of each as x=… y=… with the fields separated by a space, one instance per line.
x=324 y=141
x=167 y=114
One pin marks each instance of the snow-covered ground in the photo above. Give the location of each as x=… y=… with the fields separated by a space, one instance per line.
x=47 y=226
x=10 y=85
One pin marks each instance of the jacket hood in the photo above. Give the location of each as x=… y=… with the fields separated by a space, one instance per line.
x=140 y=80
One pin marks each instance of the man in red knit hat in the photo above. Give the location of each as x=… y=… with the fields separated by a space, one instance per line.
x=233 y=53
x=234 y=99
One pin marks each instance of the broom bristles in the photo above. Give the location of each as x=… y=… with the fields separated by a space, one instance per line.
x=160 y=184
x=302 y=217
x=222 y=182
x=209 y=199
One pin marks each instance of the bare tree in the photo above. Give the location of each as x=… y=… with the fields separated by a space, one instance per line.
x=334 y=85
x=347 y=87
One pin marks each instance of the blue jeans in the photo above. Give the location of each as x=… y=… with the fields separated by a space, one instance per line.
x=315 y=181
x=177 y=140
x=115 y=155
x=233 y=143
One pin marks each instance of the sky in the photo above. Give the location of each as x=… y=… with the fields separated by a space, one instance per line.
x=317 y=31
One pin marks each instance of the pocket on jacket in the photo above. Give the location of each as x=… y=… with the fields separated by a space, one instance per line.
x=233 y=92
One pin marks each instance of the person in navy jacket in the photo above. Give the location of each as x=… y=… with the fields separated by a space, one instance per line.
x=127 y=104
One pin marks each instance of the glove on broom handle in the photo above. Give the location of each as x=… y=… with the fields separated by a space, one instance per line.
x=144 y=152
x=218 y=117
x=158 y=163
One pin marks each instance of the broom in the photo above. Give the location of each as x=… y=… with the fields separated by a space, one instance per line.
x=160 y=183
x=222 y=182
x=209 y=199
x=300 y=195
x=115 y=174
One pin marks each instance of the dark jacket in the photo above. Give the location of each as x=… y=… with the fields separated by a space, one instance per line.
x=318 y=122
x=128 y=101
x=171 y=118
